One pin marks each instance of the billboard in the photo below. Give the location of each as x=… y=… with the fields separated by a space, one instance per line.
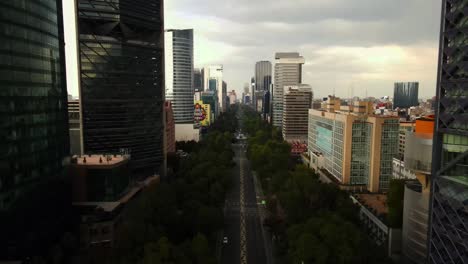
x=202 y=114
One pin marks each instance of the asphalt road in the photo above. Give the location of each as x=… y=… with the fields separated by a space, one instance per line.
x=242 y=222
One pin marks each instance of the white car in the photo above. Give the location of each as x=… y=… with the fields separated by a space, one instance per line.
x=225 y=240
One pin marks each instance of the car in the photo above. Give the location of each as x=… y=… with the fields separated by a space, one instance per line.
x=225 y=240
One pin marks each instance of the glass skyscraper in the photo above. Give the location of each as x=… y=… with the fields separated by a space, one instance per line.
x=405 y=95
x=179 y=73
x=33 y=96
x=34 y=140
x=448 y=229
x=122 y=80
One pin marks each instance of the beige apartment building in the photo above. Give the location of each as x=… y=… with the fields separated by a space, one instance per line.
x=297 y=100
x=352 y=146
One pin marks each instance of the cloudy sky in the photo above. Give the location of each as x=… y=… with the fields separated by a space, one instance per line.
x=350 y=46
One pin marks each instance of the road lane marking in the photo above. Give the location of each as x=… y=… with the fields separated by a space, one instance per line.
x=243 y=240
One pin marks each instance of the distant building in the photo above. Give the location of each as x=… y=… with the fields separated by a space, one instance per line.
x=288 y=71
x=357 y=146
x=122 y=80
x=74 y=124
x=449 y=197
x=232 y=97
x=297 y=100
x=263 y=75
x=170 y=128
x=179 y=73
x=213 y=81
x=405 y=95
x=225 y=103
x=197 y=80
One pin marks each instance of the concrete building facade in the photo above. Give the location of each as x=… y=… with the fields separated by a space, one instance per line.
x=356 y=145
x=297 y=100
x=288 y=71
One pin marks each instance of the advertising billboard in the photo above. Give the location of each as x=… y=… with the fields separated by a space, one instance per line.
x=202 y=114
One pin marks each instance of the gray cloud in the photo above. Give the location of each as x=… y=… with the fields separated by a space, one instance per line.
x=259 y=28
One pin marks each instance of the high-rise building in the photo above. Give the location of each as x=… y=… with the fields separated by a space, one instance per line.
x=405 y=127
x=232 y=97
x=297 y=100
x=33 y=127
x=448 y=230
x=197 y=80
x=351 y=146
x=224 y=96
x=179 y=73
x=405 y=95
x=288 y=71
x=122 y=80
x=213 y=81
x=263 y=73
x=170 y=128
x=74 y=122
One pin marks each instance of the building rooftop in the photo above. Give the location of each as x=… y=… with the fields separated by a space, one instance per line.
x=99 y=160
x=375 y=202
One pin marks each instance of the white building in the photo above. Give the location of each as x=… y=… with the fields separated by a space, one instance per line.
x=213 y=81
x=179 y=73
x=288 y=71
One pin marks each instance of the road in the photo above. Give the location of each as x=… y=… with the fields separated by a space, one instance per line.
x=242 y=220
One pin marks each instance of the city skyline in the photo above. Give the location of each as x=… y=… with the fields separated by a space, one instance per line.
x=351 y=48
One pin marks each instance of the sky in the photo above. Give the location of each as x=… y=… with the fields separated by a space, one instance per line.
x=351 y=47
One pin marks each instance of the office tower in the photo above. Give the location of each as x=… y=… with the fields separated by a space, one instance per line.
x=246 y=88
x=418 y=159
x=74 y=122
x=232 y=97
x=405 y=95
x=170 y=128
x=262 y=75
x=197 y=80
x=297 y=100
x=288 y=71
x=351 y=146
x=262 y=80
x=179 y=73
x=449 y=218
x=122 y=80
x=213 y=81
x=34 y=127
x=224 y=96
